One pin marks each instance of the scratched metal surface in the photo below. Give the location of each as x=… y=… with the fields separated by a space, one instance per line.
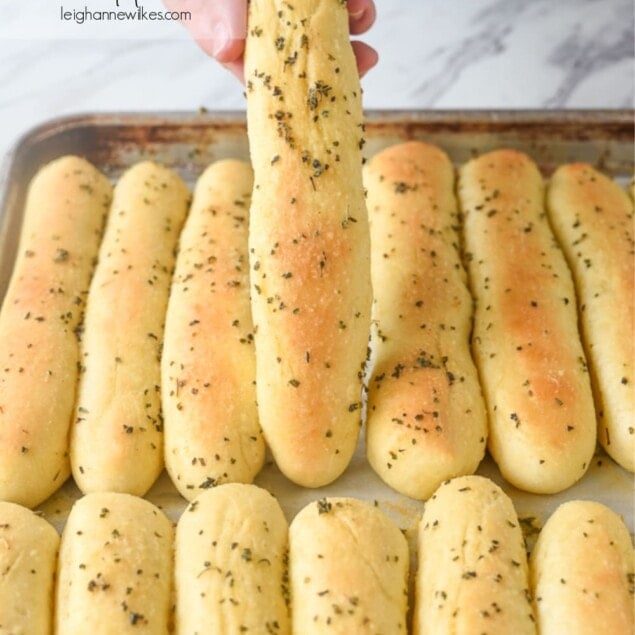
x=188 y=142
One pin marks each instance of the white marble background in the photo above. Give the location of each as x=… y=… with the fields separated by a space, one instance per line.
x=434 y=54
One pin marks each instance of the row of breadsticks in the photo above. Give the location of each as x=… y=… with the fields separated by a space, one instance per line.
x=149 y=358
x=234 y=566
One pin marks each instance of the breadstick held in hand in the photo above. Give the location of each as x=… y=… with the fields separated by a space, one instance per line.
x=309 y=242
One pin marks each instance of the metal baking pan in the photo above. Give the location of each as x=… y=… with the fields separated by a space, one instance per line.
x=188 y=142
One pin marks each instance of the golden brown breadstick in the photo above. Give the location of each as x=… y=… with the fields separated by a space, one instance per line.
x=115 y=567
x=426 y=415
x=309 y=245
x=348 y=566
x=592 y=218
x=473 y=573
x=42 y=310
x=582 y=572
x=231 y=563
x=208 y=364
x=28 y=559
x=117 y=437
x=526 y=341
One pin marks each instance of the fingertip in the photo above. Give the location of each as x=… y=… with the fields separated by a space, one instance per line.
x=365 y=55
x=222 y=50
x=362 y=14
x=229 y=50
x=234 y=64
x=219 y=28
x=237 y=69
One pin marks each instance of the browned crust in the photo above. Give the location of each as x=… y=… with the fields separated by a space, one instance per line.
x=212 y=434
x=526 y=341
x=426 y=415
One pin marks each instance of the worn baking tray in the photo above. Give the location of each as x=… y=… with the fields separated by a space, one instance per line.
x=189 y=142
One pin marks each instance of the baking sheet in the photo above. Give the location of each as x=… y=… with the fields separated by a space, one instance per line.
x=188 y=142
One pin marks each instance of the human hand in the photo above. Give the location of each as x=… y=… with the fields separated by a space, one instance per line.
x=220 y=27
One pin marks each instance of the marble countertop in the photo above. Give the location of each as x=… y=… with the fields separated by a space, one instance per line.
x=451 y=54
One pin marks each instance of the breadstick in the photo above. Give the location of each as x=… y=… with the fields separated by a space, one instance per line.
x=65 y=208
x=473 y=573
x=309 y=244
x=582 y=572
x=208 y=364
x=348 y=565
x=115 y=567
x=592 y=218
x=426 y=415
x=117 y=438
x=28 y=557
x=231 y=563
x=526 y=342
